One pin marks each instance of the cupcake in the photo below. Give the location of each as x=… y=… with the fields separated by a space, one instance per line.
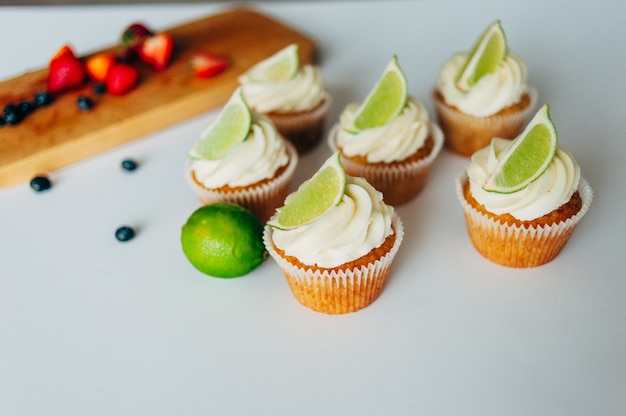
x=293 y=96
x=528 y=227
x=339 y=262
x=496 y=102
x=254 y=173
x=394 y=156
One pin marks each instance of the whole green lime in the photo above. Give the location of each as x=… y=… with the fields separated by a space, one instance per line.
x=223 y=240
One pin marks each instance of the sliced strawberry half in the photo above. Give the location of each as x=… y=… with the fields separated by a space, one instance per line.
x=121 y=78
x=206 y=64
x=135 y=34
x=132 y=38
x=157 y=50
x=65 y=72
x=65 y=50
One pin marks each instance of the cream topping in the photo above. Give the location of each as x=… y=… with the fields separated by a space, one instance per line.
x=492 y=93
x=305 y=91
x=397 y=140
x=251 y=161
x=551 y=190
x=349 y=230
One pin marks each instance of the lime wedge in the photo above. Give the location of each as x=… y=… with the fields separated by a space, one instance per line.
x=283 y=65
x=231 y=128
x=314 y=197
x=385 y=101
x=528 y=156
x=487 y=53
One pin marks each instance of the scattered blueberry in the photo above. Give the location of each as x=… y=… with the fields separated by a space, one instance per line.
x=15 y=113
x=124 y=233
x=129 y=165
x=40 y=183
x=84 y=103
x=2 y=122
x=12 y=115
x=26 y=107
x=43 y=99
x=99 y=88
x=10 y=108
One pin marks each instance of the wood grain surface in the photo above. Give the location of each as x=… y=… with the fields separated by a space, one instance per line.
x=58 y=135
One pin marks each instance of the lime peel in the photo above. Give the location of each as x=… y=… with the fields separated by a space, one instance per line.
x=314 y=197
x=283 y=65
x=528 y=156
x=486 y=54
x=231 y=128
x=385 y=100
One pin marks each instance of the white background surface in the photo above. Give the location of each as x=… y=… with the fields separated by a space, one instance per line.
x=91 y=326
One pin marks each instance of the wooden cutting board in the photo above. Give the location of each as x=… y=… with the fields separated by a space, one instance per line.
x=57 y=135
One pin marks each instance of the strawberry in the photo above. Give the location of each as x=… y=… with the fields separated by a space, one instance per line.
x=121 y=78
x=134 y=35
x=157 y=50
x=206 y=64
x=65 y=50
x=65 y=71
x=99 y=65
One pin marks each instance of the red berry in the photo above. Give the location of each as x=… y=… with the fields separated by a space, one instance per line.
x=65 y=72
x=157 y=50
x=65 y=50
x=134 y=35
x=206 y=64
x=121 y=78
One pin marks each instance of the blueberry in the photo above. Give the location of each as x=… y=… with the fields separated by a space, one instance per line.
x=12 y=116
x=84 y=103
x=2 y=121
x=124 y=233
x=26 y=107
x=129 y=165
x=11 y=108
x=99 y=88
x=43 y=98
x=40 y=183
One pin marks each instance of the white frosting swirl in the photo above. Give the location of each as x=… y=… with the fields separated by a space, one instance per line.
x=492 y=93
x=305 y=91
x=397 y=140
x=551 y=190
x=349 y=230
x=251 y=161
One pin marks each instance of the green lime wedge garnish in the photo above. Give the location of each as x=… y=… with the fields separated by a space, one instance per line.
x=488 y=51
x=385 y=101
x=283 y=65
x=528 y=156
x=314 y=197
x=231 y=128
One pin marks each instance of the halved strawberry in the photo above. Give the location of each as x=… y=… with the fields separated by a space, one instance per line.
x=206 y=64
x=134 y=35
x=157 y=50
x=99 y=65
x=64 y=72
x=121 y=78
x=65 y=50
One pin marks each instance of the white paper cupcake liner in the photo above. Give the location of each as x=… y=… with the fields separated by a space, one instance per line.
x=335 y=291
x=519 y=246
x=399 y=182
x=262 y=199
x=304 y=129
